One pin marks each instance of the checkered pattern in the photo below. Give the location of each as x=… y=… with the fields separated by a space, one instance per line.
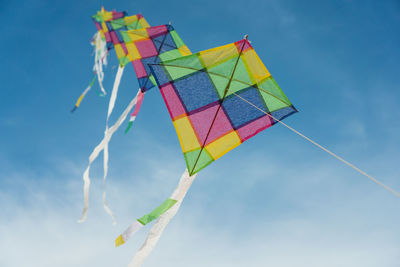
x=209 y=119
x=110 y=23
x=149 y=46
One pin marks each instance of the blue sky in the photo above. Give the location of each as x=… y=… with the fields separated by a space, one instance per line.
x=275 y=201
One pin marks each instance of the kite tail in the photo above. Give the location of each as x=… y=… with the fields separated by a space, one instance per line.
x=84 y=93
x=111 y=105
x=101 y=146
x=165 y=212
x=100 y=59
x=135 y=111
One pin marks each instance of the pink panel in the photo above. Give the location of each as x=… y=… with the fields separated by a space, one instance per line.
x=253 y=128
x=146 y=48
x=117 y=15
x=98 y=26
x=202 y=120
x=239 y=45
x=174 y=104
x=108 y=37
x=157 y=31
x=114 y=37
x=124 y=48
x=139 y=68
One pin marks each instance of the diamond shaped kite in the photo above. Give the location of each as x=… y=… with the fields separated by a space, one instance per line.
x=218 y=98
x=110 y=23
x=149 y=46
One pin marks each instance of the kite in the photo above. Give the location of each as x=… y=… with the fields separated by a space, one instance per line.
x=108 y=24
x=206 y=95
x=149 y=46
x=141 y=47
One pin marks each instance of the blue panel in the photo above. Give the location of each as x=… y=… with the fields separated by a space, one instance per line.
x=240 y=112
x=109 y=27
x=149 y=60
x=167 y=43
x=118 y=33
x=196 y=90
x=145 y=84
x=283 y=113
x=159 y=74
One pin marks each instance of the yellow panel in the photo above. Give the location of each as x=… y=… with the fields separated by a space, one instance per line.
x=119 y=50
x=133 y=53
x=187 y=137
x=254 y=65
x=184 y=50
x=130 y=19
x=136 y=35
x=217 y=55
x=106 y=15
x=144 y=23
x=102 y=35
x=224 y=144
x=104 y=26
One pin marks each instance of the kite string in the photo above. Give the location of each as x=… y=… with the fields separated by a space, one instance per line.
x=324 y=149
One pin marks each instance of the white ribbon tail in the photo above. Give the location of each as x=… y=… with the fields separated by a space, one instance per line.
x=100 y=59
x=114 y=92
x=95 y=154
x=155 y=232
x=111 y=105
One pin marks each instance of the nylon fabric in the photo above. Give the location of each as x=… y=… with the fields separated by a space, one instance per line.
x=200 y=90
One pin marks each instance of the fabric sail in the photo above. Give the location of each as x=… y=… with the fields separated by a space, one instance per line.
x=108 y=24
x=148 y=46
x=201 y=93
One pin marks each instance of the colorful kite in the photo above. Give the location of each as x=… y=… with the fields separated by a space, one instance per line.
x=149 y=46
x=109 y=24
x=217 y=99
x=203 y=93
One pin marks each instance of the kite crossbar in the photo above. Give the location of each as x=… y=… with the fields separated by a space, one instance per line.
x=324 y=149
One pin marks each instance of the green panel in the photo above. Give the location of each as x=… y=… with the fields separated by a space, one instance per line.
x=126 y=37
x=124 y=60
x=240 y=79
x=273 y=95
x=171 y=54
x=166 y=205
x=98 y=18
x=151 y=78
x=134 y=25
x=117 y=23
x=202 y=162
x=225 y=68
x=182 y=66
x=220 y=83
x=178 y=41
x=220 y=75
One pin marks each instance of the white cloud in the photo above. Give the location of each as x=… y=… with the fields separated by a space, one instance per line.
x=317 y=218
